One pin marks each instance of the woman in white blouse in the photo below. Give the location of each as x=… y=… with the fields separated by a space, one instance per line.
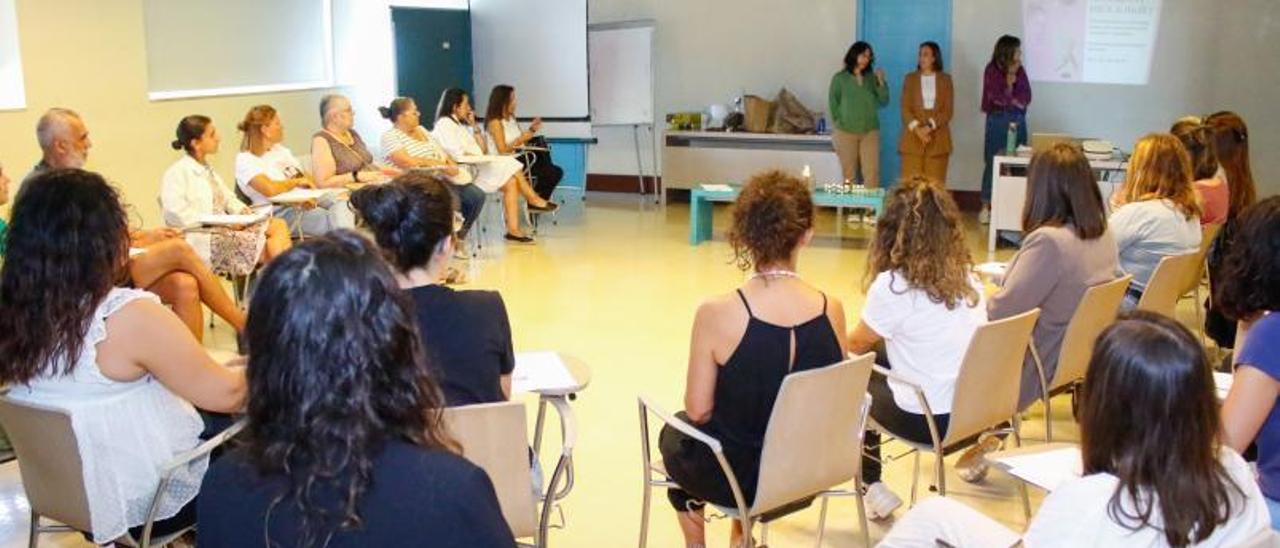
x=506 y=137
x=408 y=145
x=191 y=189
x=80 y=344
x=457 y=133
x=1155 y=469
x=265 y=168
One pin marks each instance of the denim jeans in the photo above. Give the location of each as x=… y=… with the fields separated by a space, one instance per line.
x=995 y=143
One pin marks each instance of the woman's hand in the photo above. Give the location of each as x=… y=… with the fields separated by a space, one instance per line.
x=535 y=125
x=923 y=133
x=880 y=76
x=452 y=170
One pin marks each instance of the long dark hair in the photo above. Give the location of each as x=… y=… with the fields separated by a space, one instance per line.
x=1149 y=417
x=1198 y=140
x=499 y=98
x=336 y=370
x=450 y=99
x=189 y=129
x=1231 y=141
x=1251 y=269
x=1061 y=191
x=851 y=57
x=68 y=244
x=408 y=217
x=1002 y=53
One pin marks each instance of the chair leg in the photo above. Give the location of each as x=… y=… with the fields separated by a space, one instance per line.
x=915 y=477
x=764 y=534
x=822 y=521
x=644 y=514
x=862 y=511
x=34 y=539
x=1048 y=419
x=940 y=472
x=747 y=526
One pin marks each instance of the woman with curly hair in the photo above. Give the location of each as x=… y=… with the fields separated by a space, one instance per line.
x=344 y=444
x=924 y=304
x=1250 y=413
x=744 y=343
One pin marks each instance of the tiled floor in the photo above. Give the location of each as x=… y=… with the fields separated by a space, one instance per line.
x=616 y=284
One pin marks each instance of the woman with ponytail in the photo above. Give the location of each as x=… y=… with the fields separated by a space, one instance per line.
x=467 y=335
x=191 y=189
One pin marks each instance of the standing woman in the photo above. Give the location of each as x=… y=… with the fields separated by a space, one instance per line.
x=1006 y=93
x=1231 y=142
x=854 y=99
x=191 y=189
x=927 y=102
x=507 y=137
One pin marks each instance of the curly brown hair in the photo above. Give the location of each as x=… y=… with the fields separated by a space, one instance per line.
x=770 y=218
x=919 y=238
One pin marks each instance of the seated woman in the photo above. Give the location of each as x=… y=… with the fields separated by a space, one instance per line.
x=1212 y=191
x=1066 y=250
x=1156 y=472
x=467 y=333
x=408 y=145
x=506 y=137
x=191 y=189
x=265 y=168
x=345 y=444
x=744 y=343
x=924 y=304
x=1231 y=143
x=74 y=341
x=1249 y=413
x=458 y=135
x=339 y=157
x=1155 y=214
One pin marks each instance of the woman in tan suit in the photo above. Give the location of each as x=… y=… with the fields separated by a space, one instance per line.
x=927 y=101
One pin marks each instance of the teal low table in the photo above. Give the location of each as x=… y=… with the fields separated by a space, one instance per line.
x=700 y=207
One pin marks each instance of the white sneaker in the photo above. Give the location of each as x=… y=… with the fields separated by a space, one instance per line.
x=880 y=501
x=984 y=216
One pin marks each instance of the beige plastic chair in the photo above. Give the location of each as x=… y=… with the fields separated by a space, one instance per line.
x=494 y=436
x=812 y=444
x=1097 y=310
x=53 y=476
x=1172 y=278
x=986 y=395
x=1208 y=233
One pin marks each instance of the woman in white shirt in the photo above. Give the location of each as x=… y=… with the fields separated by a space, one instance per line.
x=506 y=137
x=408 y=145
x=265 y=168
x=924 y=304
x=457 y=133
x=1156 y=212
x=74 y=341
x=191 y=189
x=1148 y=427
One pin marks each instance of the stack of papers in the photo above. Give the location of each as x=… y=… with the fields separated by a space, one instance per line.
x=232 y=220
x=299 y=195
x=717 y=188
x=992 y=271
x=1046 y=469
x=1223 y=383
x=541 y=371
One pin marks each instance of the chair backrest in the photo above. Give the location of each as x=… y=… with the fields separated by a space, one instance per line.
x=1169 y=283
x=990 y=376
x=1208 y=233
x=814 y=438
x=494 y=436
x=1097 y=310
x=49 y=460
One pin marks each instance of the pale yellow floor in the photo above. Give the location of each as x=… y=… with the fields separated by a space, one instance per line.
x=615 y=283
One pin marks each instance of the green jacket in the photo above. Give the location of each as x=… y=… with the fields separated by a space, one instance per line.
x=4 y=229
x=854 y=106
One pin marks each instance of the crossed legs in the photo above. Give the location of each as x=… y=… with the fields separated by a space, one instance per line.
x=516 y=186
x=173 y=271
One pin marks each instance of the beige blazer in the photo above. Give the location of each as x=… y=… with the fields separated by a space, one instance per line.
x=913 y=110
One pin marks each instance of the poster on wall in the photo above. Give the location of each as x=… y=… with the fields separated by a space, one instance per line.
x=12 y=90
x=1089 y=41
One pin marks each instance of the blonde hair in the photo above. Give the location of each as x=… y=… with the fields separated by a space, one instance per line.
x=919 y=237
x=254 y=120
x=1160 y=169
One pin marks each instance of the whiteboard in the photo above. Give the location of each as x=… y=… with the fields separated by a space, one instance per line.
x=537 y=47
x=621 y=72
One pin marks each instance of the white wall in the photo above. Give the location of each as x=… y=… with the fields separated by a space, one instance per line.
x=1209 y=56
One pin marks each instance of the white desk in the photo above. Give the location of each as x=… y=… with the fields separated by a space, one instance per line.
x=1009 y=190
x=691 y=158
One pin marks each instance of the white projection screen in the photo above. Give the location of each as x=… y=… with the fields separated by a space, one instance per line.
x=1089 y=41
x=540 y=48
x=222 y=47
x=12 y=91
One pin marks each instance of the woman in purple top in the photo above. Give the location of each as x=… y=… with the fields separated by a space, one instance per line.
x=1006 y=92
x=1251 y=413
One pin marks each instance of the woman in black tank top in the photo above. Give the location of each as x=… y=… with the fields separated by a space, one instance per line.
x=735 y=374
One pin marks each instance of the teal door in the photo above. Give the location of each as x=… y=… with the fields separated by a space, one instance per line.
x=433 y=53
x=895 y=29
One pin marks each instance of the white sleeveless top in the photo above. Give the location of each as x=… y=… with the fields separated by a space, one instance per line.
x=126 y=432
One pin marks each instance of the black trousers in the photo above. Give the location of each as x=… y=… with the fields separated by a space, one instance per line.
x=902 y=424
x=691 y=464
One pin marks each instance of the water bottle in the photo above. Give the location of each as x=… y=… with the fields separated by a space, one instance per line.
x=822 y=124
x=1011 y=139
x=807 y=175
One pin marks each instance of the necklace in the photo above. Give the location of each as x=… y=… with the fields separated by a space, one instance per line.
x=778 y=273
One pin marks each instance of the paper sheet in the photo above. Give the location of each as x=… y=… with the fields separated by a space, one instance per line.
x=480 y=159
x=1046 y=469
x=135 y=251
x=299 y=195
x=993 y=271
x=1223 y=382
x=717 y=188
x=231 y=220
x=537 y=371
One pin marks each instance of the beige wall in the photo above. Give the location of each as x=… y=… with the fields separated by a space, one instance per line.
x=89 y=55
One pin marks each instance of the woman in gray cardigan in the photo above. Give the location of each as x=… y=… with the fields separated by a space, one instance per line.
x=1067 y=249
